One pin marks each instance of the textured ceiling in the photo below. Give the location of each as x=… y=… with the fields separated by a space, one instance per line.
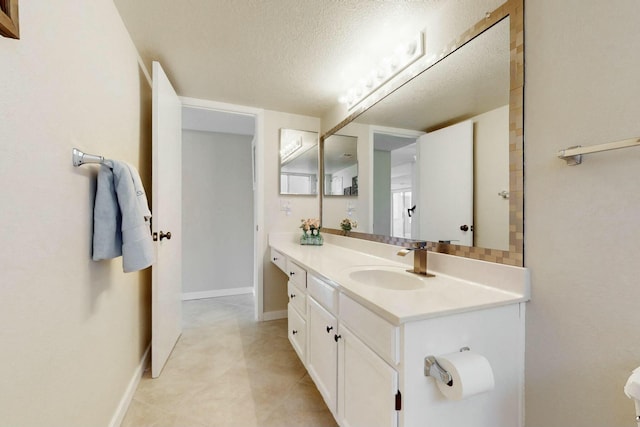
x=295 y=56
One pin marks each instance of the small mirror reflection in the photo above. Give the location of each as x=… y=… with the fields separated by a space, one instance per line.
x=298 y=162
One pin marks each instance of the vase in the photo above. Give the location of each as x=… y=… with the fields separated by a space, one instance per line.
x=309 y=239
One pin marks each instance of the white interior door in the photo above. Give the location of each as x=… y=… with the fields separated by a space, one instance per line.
x=166 y=294
x=445 y=160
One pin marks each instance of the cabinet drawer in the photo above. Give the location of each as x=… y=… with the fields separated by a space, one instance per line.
x=297 y=298
x=297 y=274
x=324 y=293
x=297 y=333
x=373 y=330
x=279 y=260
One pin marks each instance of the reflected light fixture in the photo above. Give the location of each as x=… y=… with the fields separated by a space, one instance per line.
x=290 y=147
x=403 y=56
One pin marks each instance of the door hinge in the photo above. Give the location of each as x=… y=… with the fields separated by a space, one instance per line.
x=398 y=401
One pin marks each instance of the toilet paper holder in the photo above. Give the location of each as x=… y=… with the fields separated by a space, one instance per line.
x=433 y=369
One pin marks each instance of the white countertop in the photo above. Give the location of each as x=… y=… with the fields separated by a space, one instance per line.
x=446 y=293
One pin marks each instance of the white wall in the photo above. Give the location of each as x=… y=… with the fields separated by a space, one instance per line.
x=73 y=330
x=581 y=222
x=217 y=212
x=275 y=283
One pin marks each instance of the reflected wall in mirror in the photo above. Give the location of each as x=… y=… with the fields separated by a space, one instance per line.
x=299 y=168
x=341 y=166
x=471 y=97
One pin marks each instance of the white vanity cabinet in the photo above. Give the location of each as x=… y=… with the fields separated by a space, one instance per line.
x=369 y=368
x=358 y=385
x=367 y=386
x=297 y=274
x=297 y=307
x=279 y=260
x=322 y=340
x=322 y=359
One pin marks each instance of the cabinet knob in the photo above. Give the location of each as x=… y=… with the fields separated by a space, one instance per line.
x=291 y=273
x=292 y=296
x=337 y=337
x=275 y=258
x=329 y=328
x=294 y=332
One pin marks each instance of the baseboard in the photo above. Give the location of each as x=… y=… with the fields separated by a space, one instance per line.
x=274 y=315
x=216 y=293
x=125 y=401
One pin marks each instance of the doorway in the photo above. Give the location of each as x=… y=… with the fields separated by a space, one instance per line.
x=220 y=204
x=394 y=181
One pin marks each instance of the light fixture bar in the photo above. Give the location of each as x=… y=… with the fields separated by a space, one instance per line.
x=389 y=68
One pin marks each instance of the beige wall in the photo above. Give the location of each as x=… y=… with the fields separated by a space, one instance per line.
x=582 y=240
x=274 y=280
x=73 y=330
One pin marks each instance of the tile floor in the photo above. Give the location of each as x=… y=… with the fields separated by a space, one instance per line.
x=228 y=370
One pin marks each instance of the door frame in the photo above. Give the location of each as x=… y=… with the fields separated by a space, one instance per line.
x=259 y=240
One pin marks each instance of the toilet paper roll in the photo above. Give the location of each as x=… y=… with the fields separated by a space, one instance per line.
x=471 y=373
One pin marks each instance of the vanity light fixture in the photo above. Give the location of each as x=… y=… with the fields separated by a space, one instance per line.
x=403 y=56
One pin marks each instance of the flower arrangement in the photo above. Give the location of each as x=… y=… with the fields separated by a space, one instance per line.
x=310 y=226
x=311 y=232
x=347 y=224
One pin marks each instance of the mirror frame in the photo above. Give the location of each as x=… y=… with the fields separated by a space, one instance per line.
x=514 y=9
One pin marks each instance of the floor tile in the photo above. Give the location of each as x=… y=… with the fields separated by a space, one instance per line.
x=228 y=370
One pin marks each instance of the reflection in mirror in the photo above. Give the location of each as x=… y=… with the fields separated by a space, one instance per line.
x=440 y=149
x=394 y=182
x=298 y=162
x=341 y=166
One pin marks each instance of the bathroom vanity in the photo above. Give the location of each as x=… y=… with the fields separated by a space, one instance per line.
x=362 y=326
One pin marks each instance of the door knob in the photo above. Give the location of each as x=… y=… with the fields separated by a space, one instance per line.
x=464 y=227
x=163 y=235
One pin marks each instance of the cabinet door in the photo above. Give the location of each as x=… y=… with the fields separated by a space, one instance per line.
x=297 y=333
x=297 y=298
x=322 y=354
x=367 y=385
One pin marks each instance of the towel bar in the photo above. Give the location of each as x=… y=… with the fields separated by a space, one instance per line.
x=573 y=155
x=80 y=158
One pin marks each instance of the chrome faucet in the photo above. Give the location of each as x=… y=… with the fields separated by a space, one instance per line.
x=419 y=250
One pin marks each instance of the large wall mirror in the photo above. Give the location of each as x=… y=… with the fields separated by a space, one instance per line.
x=299 y=167
x=446 y=149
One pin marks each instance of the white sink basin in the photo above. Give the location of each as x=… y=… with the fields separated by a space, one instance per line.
x=393 y=278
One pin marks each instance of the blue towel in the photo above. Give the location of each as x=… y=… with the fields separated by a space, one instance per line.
x=121 y=218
